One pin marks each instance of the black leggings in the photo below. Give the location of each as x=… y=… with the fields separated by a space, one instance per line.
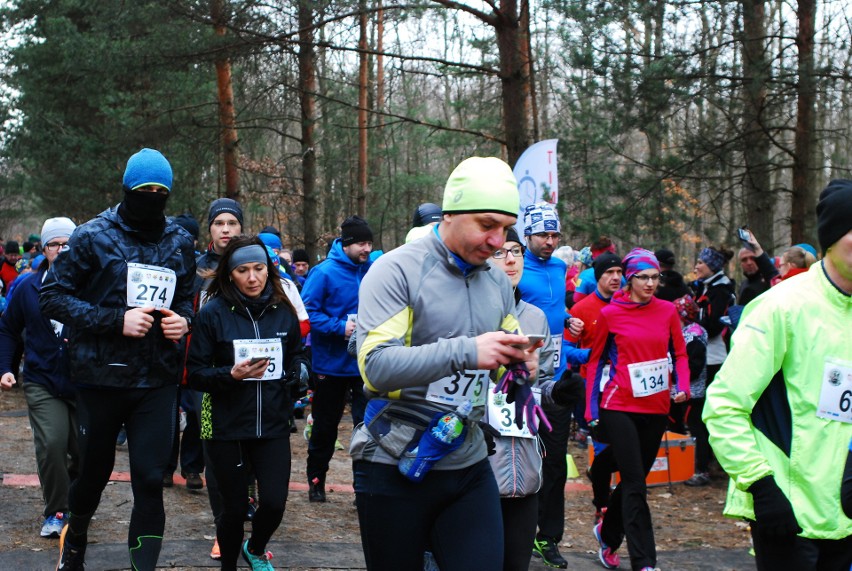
x=635 y=440
x=230 y=461
x=698 y=430
x=519 y=523
x=801 y=553
x=456 y=513
x=149 y=416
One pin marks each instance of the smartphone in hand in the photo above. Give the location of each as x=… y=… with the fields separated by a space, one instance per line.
x=256 y=360
x=744 y=235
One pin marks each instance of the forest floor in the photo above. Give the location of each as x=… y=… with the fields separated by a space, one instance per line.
x=688 y=523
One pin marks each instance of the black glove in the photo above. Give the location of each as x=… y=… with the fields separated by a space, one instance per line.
x=569 y=390
x=298 y=375
x=490 y=433
x=773 y=513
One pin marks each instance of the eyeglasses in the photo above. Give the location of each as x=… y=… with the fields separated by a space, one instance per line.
x=548 y=235
x=647 y=278
x=516 y=251
x=55 y=245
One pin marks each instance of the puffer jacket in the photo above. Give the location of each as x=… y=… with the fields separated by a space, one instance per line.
x=240 y=410
x=86 y=289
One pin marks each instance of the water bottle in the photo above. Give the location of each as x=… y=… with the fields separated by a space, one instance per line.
x=449 y=427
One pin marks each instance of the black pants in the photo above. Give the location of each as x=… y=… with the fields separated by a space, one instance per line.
x=519 y=522
x=635 y=440
x=454 y=512
x=554 y=473
x=697 y=428
x=327 y=410
x=187 y=444
x=149 y=417
x=800 y=553
x=270 y=461
x=600 y=473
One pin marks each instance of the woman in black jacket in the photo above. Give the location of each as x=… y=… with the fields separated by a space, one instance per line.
x=245 y=350
x=714 y=294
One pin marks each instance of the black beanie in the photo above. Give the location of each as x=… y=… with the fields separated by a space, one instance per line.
x=188 y=223
x=426 y=213
x=604 y=262
x=222 y=206
x=512 y=236
x=355 y=229
x=665 y=257
x=301 y=255
x=834 y=212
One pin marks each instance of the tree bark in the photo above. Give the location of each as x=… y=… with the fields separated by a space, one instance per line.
x=512 y=45
x=363 y=85
x=227 y=115
x=307 y=100
x=759 y=199
x=802 y=210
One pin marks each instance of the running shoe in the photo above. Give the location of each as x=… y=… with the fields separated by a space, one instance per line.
x=121 y=440
x=215 y=553
x=53 y=524
x=316 y=490
x=70 y=559
x=257 y=562
x=193 y=481
x=548 y=552
x=650 y=569
x=608 y=557
x=699 y=479
x=599 y=515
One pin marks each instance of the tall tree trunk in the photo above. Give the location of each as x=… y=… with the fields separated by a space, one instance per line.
x=513 y=45
x=759 y=199
x=307 y=100
x=363 y=85
x=802 y=210
x=227 y=116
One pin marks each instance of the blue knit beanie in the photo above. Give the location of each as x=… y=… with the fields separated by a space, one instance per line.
x=148 y=167
x=270 y=240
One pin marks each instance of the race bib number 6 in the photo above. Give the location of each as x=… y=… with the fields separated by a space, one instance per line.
x=649 y=377
x=835 y=397
x=150 y=286
x=459 y=387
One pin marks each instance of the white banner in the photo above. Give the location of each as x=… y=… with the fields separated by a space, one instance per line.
x=537 y=178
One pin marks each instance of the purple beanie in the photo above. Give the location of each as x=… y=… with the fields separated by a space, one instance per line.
x=637 y=260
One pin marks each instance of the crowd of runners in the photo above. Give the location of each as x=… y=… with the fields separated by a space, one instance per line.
x=470 y=357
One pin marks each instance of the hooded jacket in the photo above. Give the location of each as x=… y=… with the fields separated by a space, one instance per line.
x=239 y=410
x=714 y=296
x=543 y=285
x=761 y=409
x=628 y=332
x=86 y=289
x=45 y=351
x=330 y=294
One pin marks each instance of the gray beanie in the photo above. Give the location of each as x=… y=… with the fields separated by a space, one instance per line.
x=56 y=228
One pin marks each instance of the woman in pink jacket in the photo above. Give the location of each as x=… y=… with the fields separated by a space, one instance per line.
x=637 y=335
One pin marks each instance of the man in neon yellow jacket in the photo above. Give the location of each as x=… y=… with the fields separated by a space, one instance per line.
x=779 y=412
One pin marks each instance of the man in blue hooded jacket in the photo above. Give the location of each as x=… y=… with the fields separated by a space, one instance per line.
x=50 y=395
x=331 y=298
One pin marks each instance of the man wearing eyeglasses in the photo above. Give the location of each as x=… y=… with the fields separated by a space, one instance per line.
x=48 y=390
x=543 y=285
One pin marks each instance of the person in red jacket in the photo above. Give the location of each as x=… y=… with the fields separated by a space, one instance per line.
x=636 y=333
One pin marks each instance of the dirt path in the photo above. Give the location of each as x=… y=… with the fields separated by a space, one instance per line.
x=685 y=518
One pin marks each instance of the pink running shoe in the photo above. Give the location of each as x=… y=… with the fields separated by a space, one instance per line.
x=608 y=557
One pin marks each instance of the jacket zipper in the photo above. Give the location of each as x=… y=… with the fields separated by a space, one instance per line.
x=258 y=423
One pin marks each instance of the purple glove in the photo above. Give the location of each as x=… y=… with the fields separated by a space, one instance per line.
x=516 y=373
x=526 y=409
